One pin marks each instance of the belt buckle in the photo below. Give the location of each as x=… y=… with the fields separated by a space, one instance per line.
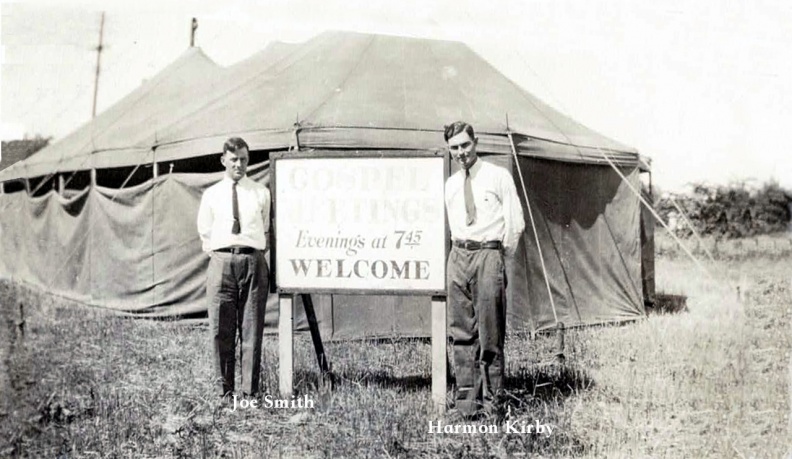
x=470 y=245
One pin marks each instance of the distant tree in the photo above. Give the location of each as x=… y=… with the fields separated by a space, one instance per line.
x=17 y=150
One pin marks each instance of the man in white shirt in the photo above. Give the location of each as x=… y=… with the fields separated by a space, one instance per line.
x=486 y=222
x=233 y=222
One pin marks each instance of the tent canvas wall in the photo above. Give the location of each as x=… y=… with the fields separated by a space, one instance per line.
x=136 y=249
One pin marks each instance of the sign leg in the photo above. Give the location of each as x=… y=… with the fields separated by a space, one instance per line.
x=439 y=356
x=316 y=337
x=286 y=346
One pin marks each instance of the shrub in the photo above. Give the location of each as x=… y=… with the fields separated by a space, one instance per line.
x=732 y=211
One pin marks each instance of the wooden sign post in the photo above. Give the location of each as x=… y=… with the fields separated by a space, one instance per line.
x=439 y=349
x=285 y=346
x=369 y=223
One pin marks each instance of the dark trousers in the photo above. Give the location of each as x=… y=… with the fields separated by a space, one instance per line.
x=236 y=288
x=477 y=325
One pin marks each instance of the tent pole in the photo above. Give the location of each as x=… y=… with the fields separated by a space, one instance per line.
x=692 y=228
x=295 y=146
x=61 y=185
x=2 y=187
x=533 y=225
x=93 y=177
x=154 y=170
x=635 y=192
x=655 y=214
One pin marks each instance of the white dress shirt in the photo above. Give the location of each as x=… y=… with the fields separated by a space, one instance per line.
x=499 y=215
x=216 y=215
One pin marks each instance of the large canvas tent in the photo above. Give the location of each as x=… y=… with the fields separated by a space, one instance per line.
x=135 y=248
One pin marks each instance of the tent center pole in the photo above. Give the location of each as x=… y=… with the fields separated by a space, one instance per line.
x=295 y=142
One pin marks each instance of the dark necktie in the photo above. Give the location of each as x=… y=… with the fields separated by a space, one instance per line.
x=235 y=203
x=470 y=205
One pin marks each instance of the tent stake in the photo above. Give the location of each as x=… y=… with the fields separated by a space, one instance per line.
x=560 y=330
x=21 y=325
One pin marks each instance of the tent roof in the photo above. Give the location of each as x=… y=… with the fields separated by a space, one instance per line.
x=346 y=90
x=129 y=127
x=351 y=90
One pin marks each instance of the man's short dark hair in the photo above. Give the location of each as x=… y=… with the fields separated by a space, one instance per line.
x=233 y=144
x=456 y=127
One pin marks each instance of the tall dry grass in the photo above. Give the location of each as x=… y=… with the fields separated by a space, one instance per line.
x=713 y=381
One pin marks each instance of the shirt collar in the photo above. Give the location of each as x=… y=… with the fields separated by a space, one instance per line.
x=475 y=167
x=229 y=181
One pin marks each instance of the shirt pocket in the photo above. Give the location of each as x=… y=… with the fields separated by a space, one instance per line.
x=489 y=205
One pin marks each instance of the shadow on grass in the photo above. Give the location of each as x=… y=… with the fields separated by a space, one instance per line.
x=363 y=378
x=553 y=382
x=542 y=383
x=666 y=303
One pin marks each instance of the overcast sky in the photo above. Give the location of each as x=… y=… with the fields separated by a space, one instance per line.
x=704 y=88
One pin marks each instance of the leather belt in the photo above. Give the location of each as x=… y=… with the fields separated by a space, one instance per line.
x=237 y=250
x=476 y=245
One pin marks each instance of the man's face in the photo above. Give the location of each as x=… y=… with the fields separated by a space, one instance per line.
x=235 y=163
x=463 y=149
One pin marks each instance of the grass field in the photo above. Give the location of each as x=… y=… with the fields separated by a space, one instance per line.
x=712 y=381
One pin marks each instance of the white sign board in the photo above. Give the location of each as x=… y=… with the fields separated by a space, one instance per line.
x=352 y=224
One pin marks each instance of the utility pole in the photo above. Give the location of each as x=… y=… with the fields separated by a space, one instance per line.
x=192 y=32
x=98 y=60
